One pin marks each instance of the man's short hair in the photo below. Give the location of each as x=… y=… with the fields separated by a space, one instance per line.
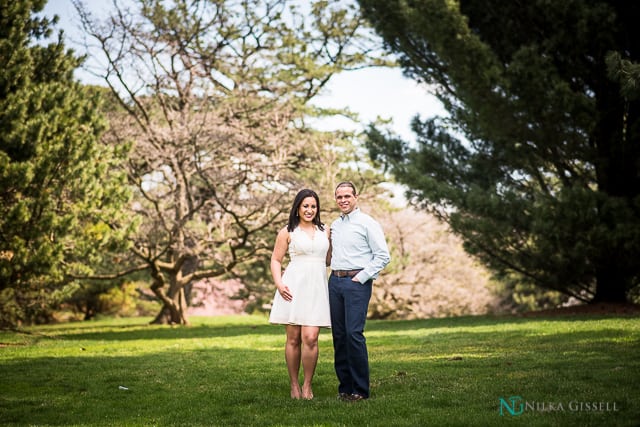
x=346 y=184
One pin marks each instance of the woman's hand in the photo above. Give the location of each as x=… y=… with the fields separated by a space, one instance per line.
x=285 y=293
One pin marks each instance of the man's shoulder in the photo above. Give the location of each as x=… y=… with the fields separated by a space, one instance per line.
x=365 y=217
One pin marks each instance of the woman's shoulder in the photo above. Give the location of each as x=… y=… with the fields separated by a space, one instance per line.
x=283 y=233
x=284 y=230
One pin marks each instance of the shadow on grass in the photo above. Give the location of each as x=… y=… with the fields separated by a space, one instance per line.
x=214 y=386
x=135 y=331
x=194 y=387
x=438 y=371
x=484 y=320
x=161 y=332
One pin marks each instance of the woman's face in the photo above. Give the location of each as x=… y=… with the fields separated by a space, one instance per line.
x=308 y=209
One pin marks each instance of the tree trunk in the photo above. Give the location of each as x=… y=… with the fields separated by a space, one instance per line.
x=174 y=312
x=617 y=175
x=610 y=286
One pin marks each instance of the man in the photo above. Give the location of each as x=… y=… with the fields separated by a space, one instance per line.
x=358 y=253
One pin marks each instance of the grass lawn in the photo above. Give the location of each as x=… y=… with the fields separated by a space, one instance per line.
x=230 y=371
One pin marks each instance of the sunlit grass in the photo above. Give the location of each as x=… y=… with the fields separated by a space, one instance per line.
x=231 y=371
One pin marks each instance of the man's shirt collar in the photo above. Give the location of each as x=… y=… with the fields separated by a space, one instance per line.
x=350 y=214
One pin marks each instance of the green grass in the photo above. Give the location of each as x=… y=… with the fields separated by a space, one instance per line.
x=231 y=371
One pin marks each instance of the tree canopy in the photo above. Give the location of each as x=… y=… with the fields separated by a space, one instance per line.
x=537 y=165
x=58 y=189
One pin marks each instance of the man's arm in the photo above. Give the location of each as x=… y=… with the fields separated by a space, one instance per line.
x=379 y=251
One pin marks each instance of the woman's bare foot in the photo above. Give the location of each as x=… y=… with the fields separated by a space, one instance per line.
x=307 y=393
x=295 y=391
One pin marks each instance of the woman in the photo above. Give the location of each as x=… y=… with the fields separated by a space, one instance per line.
x=301 y=302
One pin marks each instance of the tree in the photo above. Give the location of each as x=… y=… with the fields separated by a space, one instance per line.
x=430 y=274
x=537 y=167
x=57 y=190
x=214 y=96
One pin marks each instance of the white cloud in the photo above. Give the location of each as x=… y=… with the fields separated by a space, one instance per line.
x=379 y=92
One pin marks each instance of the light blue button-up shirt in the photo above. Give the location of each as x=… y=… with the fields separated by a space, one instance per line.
x=357 y=242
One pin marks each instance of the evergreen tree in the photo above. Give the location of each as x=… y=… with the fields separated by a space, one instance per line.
x=537 y=166
x=58 y=197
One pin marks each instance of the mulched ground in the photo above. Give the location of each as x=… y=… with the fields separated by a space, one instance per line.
x=598 y=309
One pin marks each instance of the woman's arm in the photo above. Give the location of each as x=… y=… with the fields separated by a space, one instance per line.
x=328 y=231
x=279 y=251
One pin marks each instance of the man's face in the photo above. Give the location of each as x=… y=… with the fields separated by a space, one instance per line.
x=345 y=199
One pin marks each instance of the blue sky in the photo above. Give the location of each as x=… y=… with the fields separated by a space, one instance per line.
x=372 y=93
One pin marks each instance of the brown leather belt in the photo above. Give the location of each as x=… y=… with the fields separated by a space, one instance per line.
x=345 y=273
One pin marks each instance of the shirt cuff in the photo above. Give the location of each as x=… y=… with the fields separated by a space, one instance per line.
x=362 y=277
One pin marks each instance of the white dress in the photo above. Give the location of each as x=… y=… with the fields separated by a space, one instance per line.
x=306 y=277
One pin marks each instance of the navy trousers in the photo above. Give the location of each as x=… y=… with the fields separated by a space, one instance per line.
x=349 y=301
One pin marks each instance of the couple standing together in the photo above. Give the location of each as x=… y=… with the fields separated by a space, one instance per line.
x=355 y=249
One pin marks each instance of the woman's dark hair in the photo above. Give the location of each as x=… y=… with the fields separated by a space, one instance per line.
x=294 y=220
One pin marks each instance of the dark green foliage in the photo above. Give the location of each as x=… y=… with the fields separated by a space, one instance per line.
x=537 y=166
x=57 y=197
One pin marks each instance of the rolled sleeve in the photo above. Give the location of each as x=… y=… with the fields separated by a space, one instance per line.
x=358 y=243
x=380 y=256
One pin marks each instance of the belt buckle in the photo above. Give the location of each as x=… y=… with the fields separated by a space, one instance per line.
x=345 y=273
